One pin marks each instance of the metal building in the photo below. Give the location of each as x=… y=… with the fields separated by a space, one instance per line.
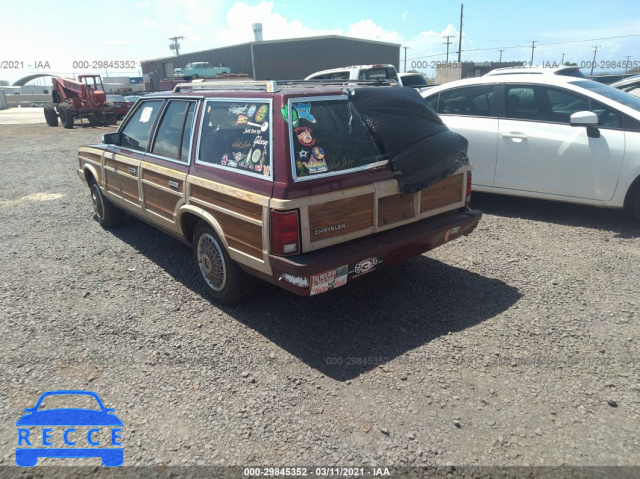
x=291 y=59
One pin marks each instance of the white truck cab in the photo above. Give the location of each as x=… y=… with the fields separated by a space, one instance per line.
x=357 y=72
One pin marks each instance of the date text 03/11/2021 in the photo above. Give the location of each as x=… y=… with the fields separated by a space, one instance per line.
x=316 y=471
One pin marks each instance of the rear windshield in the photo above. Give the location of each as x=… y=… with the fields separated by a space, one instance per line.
x=414 y=80
x=381 y=73
x=329 y=137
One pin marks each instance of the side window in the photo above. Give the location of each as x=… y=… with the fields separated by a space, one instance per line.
x=171 y=133
x=432 y=101
x=630 y=124
x=563 y=104
x=521 y=103
x=137 y=130
x=186 y=133
x=469 y=101
x=607 y=118
x=540 y=103
x=236 y=135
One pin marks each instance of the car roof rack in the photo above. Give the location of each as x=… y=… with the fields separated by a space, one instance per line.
x=336 y=82
x=271 y=86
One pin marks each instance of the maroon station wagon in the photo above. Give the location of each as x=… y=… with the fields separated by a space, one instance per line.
x=306 y=185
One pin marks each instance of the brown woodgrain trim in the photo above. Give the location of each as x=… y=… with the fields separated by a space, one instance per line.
x=110 y=163
x=112 y=181
x=392 y=209
x=159 y=202
x=442 y=193
x=240 y=235
x=162 y=180
x=340 y=217
x=237 y=205
x=92 y=157
x=230 y=191
x=129 y=188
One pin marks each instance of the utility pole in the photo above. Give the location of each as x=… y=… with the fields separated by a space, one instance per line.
x=405 y=59
x=175 y=46
x=460 y=33
x=447 y=44
x=562 y=61
x=626 y=65
x=500 y=61
x=533 y=47
x=593 y=63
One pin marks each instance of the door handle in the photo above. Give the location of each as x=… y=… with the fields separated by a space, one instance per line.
x=174 y=185
x=132 y=170
x=515 y=135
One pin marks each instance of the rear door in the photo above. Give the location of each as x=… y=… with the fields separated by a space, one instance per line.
x=472 y=112
x=164 y=171
x=540 y=152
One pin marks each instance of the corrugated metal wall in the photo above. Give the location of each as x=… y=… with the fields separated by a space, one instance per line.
x=237 y=57
x=282 y=59
x=296 y=59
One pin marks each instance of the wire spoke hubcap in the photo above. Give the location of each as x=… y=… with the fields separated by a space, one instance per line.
x=96 y=199
x=211 y=262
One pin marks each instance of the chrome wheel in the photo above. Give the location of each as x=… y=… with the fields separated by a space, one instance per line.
x=211 y=262
x=98 y=203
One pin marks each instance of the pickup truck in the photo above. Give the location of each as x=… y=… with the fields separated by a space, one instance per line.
x=357 y=72
x=195 y=70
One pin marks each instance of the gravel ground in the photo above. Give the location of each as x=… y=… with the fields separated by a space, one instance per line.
x=515 y=346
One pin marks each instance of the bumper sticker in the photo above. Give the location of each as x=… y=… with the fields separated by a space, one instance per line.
x=323 y=282
x=365 y=266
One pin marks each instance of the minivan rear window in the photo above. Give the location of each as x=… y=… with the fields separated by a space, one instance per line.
x=329 y=137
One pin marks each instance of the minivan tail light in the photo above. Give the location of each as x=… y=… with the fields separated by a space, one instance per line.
x=468 y=194
x=285 y=236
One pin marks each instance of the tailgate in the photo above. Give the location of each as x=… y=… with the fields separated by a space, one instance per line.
x=337 y=217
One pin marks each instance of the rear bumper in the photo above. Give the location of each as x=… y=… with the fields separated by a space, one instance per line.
x=328 y=268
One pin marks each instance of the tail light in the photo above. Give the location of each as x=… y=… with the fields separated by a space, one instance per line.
x=285 y=236
x=468 y=194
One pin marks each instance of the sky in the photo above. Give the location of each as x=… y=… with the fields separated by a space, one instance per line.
x=38 y=36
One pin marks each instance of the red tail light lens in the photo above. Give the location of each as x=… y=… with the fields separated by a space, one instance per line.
x=285 y=237
x=468 y=194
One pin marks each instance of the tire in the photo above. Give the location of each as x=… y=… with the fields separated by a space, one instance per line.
x=107 y=214
x=635 y=204
x=195 y=77
x=109 y=114
x=66 y=115
x=223 y=279
x=92 y=120
x=51 y=116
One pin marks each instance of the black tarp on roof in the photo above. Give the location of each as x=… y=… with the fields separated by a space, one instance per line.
x=421 y=149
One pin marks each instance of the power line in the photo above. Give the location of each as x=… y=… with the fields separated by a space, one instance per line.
x=533 y=47
x=448 y=42
x=538 y=44
x=175 y=45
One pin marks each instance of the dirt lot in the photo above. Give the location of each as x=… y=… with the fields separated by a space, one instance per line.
x=515 y=346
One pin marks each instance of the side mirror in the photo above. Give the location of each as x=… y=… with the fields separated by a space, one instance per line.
x=584 y=118
x=111 y=138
